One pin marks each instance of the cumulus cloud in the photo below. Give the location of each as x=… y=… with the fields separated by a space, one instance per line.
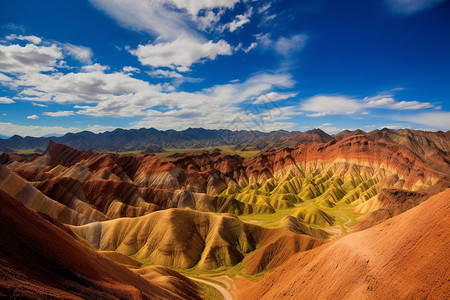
x=31 y=38
x=28 y=58
x=33 y=117
x=4 y=100
x=83 y=87
x=410 y=7
x=209 y=19
x=177 y=43
x=63 y=113
x=181 y=53
x=95 y=90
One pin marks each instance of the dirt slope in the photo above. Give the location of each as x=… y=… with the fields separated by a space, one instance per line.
x=350 y=171
x=405 y=257
x=184 y=238
x=39 y=260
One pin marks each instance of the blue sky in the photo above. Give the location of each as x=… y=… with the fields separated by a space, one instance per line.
x=68 y=66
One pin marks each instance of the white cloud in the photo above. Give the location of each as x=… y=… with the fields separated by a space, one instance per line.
x=168 y=19
x=38 y=104
x=411 y=105
x=63 y=113
x=270 y=17
x=264 y=8
x=323 y=105
x=217 y=107
x=316 y=115
x=99 y=128
x=287 y=46
x=194 y=6
x=95 y=68
x=10 y=129
x=4 y=100
x=28 y=58
x=96 y=91
x=183 y=52
x=330 y=129
x=274 y=96
x=440 y=120
x=330 y=105
x=156 y=17
x=31 y=38
x=264 y=39
x=85 y=87
x=393 y=126
x=129 y=69
x=33 y=117
x=252 y=46
x=284 y=45
x=410 y=7
x=238 y=22
x=5 y=78
x=79 y=53
x=378 y=101
x=164 y=74
x=209 y=19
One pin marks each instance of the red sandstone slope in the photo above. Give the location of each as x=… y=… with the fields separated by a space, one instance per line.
x=197 y=168
x=405 y=257
x=356 y=168
x=39 y=260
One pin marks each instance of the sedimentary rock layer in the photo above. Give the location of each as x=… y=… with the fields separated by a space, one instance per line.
x=402 y=258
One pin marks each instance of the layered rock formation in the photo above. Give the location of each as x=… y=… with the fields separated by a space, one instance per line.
x=310 y=177
x=39 y=260
x=402 y=258
x=182 y=238
x=165 y=211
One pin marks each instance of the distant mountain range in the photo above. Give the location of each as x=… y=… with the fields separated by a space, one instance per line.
x=148 y=139
x=153 y=140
